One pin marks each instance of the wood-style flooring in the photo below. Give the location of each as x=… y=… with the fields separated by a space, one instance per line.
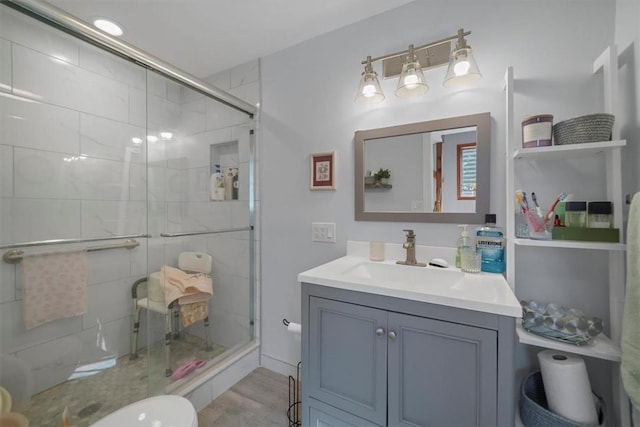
x=259 y=400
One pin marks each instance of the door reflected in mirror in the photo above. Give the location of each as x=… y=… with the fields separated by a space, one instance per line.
x=439 y=171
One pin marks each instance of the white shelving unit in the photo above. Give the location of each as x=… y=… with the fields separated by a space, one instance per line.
x=602 y=347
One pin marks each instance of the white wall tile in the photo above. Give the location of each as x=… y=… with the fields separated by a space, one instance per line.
x=5 y=65
x=206 y=215
x=111 y=66
x=67 y=85
x=193 y=118
x=196 y=148
x=174 y=92
x=109 y=139
x=156 y=84
x=244 y=74
x=107 y=301
x=6 y=171
x=41 y=174
x=190 y=95
x=138 y=182
x=39 y=125
x=113 y=218
x=240 y=295
x=163 y=115
x=53 y=362
x=220 y=116
x=249 y=93
x=14 y=336
x=195 y=184
x=109 y=265
x=24 y=220
x=137 y=107
x=241 y=134
x=26 y=31
x=172 y=185
x=239 y=214
x=7 y=282
x=221 y=80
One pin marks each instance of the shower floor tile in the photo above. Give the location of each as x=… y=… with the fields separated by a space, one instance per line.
x=91 y=398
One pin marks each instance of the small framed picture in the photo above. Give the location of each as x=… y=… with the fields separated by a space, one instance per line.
x=323 y=171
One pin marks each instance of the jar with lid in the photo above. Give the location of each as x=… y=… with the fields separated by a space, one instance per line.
x=600 y=215
x=575 y=214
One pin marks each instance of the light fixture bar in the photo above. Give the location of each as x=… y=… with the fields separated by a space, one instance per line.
x=428 y=45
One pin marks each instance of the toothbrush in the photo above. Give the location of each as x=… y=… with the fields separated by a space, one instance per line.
x=561 y=197
x=535 y=201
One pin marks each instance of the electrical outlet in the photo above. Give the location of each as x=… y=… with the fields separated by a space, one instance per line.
x=323 y=232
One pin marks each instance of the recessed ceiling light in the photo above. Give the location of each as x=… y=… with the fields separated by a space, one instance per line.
x=108 y=26
x=166 y=135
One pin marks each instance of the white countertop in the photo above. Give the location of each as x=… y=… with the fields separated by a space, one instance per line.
x=485 y=292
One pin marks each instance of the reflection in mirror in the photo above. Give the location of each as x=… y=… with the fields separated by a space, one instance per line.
x=439 y=171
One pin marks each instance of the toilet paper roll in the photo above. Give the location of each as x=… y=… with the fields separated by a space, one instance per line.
x=294 y=328
x=566 y=384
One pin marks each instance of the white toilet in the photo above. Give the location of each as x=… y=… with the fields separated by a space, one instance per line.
x=158 y=411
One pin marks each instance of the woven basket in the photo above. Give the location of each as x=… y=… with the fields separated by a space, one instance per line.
x=534 y=411
x=589 y=128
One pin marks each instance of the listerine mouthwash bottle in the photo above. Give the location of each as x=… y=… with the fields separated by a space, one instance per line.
x=490 y=240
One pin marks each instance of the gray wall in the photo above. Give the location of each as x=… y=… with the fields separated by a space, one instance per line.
x=308 y=93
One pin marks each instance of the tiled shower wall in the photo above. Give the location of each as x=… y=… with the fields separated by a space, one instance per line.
x=69 y=169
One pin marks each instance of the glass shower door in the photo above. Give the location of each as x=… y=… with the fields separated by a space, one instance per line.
x=199 y=204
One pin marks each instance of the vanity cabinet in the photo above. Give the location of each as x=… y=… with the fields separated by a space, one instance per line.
x=376 y=360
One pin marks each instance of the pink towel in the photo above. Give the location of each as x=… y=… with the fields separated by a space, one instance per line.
x=185 y=287
x=54 y=286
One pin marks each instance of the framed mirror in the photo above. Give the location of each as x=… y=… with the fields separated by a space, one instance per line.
x=433 y=171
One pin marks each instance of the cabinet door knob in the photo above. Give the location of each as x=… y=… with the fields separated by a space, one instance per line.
x=379 y=332
x=392 y=335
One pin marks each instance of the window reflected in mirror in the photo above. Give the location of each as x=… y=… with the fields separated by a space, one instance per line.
x=466 y=161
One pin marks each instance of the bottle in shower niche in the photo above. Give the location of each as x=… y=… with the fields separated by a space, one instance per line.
x=216 y=185
x=236 y=185
x=490 y=240
x=228 y=185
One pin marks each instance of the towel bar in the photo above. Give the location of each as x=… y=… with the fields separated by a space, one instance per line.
x=14 y=256
x=197 y=233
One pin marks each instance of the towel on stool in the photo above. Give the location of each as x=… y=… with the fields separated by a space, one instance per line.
x=192 y=291
x=630 y=367
x=54 y=286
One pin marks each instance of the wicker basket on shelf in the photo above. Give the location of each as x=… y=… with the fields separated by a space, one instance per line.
x=589 y=128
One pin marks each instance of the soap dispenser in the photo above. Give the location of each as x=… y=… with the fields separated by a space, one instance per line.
x=463 y=242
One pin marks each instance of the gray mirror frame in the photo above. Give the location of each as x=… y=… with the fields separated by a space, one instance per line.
x=482 y=121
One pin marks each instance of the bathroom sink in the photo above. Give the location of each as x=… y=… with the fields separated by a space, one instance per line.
x=403 y=275
x=487 y=292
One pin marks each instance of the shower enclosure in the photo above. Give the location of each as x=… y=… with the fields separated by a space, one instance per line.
x=108 y=153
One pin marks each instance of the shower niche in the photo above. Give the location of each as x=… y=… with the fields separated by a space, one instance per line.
x=224 y=171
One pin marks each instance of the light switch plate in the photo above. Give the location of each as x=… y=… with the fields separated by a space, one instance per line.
x=323 y=232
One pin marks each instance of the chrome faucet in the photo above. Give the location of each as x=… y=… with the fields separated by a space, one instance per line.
x=410 y=246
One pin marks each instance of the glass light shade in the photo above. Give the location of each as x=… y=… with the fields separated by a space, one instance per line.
x=411 y=82
x=369 y=91
x=462 y=69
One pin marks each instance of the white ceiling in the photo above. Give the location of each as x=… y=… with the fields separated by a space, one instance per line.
x=203 y=37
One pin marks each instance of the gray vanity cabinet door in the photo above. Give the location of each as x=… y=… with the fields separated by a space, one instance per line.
x=348 y=358
x=441 y=373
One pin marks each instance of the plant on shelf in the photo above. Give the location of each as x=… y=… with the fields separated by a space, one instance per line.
x=383 y=176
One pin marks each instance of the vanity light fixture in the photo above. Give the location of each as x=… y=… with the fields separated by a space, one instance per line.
x=369 y=91
x=462 y=68
x=411 y=83
x=409 y=65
